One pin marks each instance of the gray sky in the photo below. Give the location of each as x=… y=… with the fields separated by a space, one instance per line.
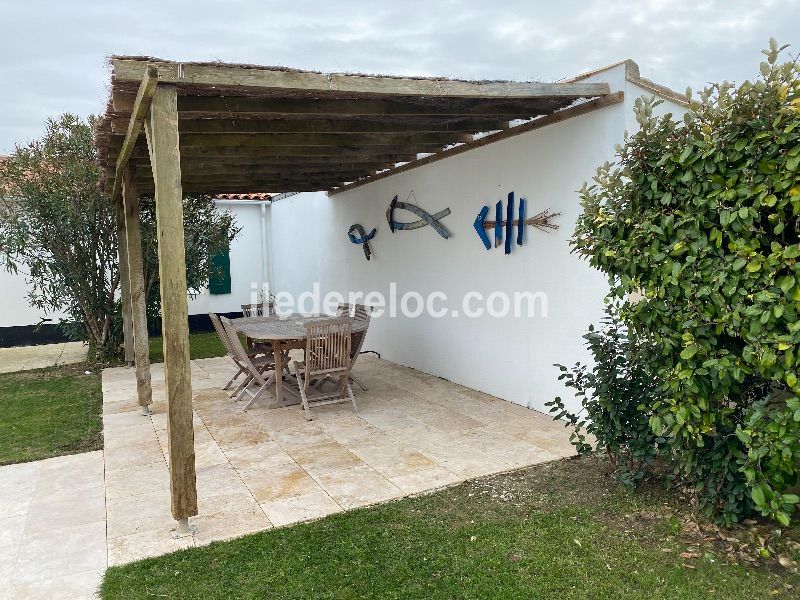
x=54 y=52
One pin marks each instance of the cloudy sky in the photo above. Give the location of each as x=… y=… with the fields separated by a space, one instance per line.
x=54 y=51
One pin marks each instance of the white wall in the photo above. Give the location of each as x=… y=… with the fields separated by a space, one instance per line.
x=249 y=263
x=14 y=307
x=508 y=357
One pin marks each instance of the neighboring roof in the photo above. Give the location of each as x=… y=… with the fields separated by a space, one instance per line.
x=246 y=128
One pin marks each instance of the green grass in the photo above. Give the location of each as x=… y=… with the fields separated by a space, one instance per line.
x=201 y=345
x=55 y=411
x=565 y=530
x=49 y=412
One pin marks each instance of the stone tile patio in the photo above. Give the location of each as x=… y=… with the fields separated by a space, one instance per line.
x=52 y=528
x=63 y=520
x=23 y=358
x=270 y=467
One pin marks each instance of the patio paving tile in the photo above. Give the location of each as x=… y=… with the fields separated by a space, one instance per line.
x=307 y=507
x=358 y=486
x=136 y=480
x=73 y=586
x=52 y=535
x=425 y=480
x=277 y=482
x=321 y=458
x=389 y=457
x=221 y=526
x=58 y=553
x=57 y=511
x=136 y=514
x=388 y=418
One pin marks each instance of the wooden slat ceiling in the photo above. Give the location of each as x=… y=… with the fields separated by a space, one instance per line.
x=248 y=129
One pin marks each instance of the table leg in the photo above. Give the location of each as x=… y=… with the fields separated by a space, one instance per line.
x=276 y=345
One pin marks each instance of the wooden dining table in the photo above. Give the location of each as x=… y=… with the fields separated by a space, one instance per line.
x=284 y=332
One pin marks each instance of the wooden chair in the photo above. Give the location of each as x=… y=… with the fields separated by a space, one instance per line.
x=253 y=367
x=223 y=336
x=362 y=313
x=327 y=356
x=257 y=310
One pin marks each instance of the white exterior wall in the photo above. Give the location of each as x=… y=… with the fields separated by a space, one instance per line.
x=249 y=262
x=14 y=307
x=509 y=357
x=249 y=265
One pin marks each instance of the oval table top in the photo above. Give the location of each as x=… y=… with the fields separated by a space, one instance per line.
x=282 y=327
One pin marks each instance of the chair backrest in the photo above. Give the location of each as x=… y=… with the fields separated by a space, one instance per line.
x=360 y=313
x=223 y=335
x=328 y=346
x=238 y=352
x=257 y=310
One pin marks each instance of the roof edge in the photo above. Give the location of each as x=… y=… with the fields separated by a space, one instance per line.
x=633 y=75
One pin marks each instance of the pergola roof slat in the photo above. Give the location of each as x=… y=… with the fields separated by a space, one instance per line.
x=219 y=74
x=293 y=129
x=420 y=124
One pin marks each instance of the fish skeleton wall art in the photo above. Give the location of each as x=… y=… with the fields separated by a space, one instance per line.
x=425 y=217
x=541 y=221
x=363 y=237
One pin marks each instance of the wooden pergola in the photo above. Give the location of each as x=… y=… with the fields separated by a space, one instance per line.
x=175 y=128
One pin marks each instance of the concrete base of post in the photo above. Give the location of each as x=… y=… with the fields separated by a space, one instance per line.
x=183 y=529
x=146 y=410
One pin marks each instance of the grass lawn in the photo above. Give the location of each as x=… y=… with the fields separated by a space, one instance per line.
x=563 y=530
x=201 y=345
x=55 y=411
x=49 y=412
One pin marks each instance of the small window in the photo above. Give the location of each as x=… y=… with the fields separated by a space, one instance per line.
x=219 y=281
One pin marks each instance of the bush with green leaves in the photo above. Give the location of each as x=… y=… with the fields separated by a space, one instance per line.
x=56 y=228
x=700 y=216
x=612 y=418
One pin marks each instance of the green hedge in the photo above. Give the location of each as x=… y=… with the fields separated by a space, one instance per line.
x=700 y=217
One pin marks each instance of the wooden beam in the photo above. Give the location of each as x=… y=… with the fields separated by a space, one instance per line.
x=161 y=129
x=258 y=140
x=226 y=106
x=241 y=76
x=267 y=152
x=125 y=283
x=557 y=117
x=277 y=185
x=284 y=161
x=130 y=195
x=188 y=171
x=249 y=140
x=303 y=124
x=293 y=186
x=336 y=175
x=140 y=107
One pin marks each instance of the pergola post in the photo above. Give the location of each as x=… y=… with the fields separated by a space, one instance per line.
x=122 y=253
x=130 y=198
x=161 y=130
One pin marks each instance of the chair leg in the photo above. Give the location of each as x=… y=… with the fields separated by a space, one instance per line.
x=242 y=386
x=350 y=393
x=304 y=398
x=234 y=378
x=358 y=383
x=259 y=392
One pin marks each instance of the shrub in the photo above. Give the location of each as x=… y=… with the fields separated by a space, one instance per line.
x=611 y=394
x=701 y=217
